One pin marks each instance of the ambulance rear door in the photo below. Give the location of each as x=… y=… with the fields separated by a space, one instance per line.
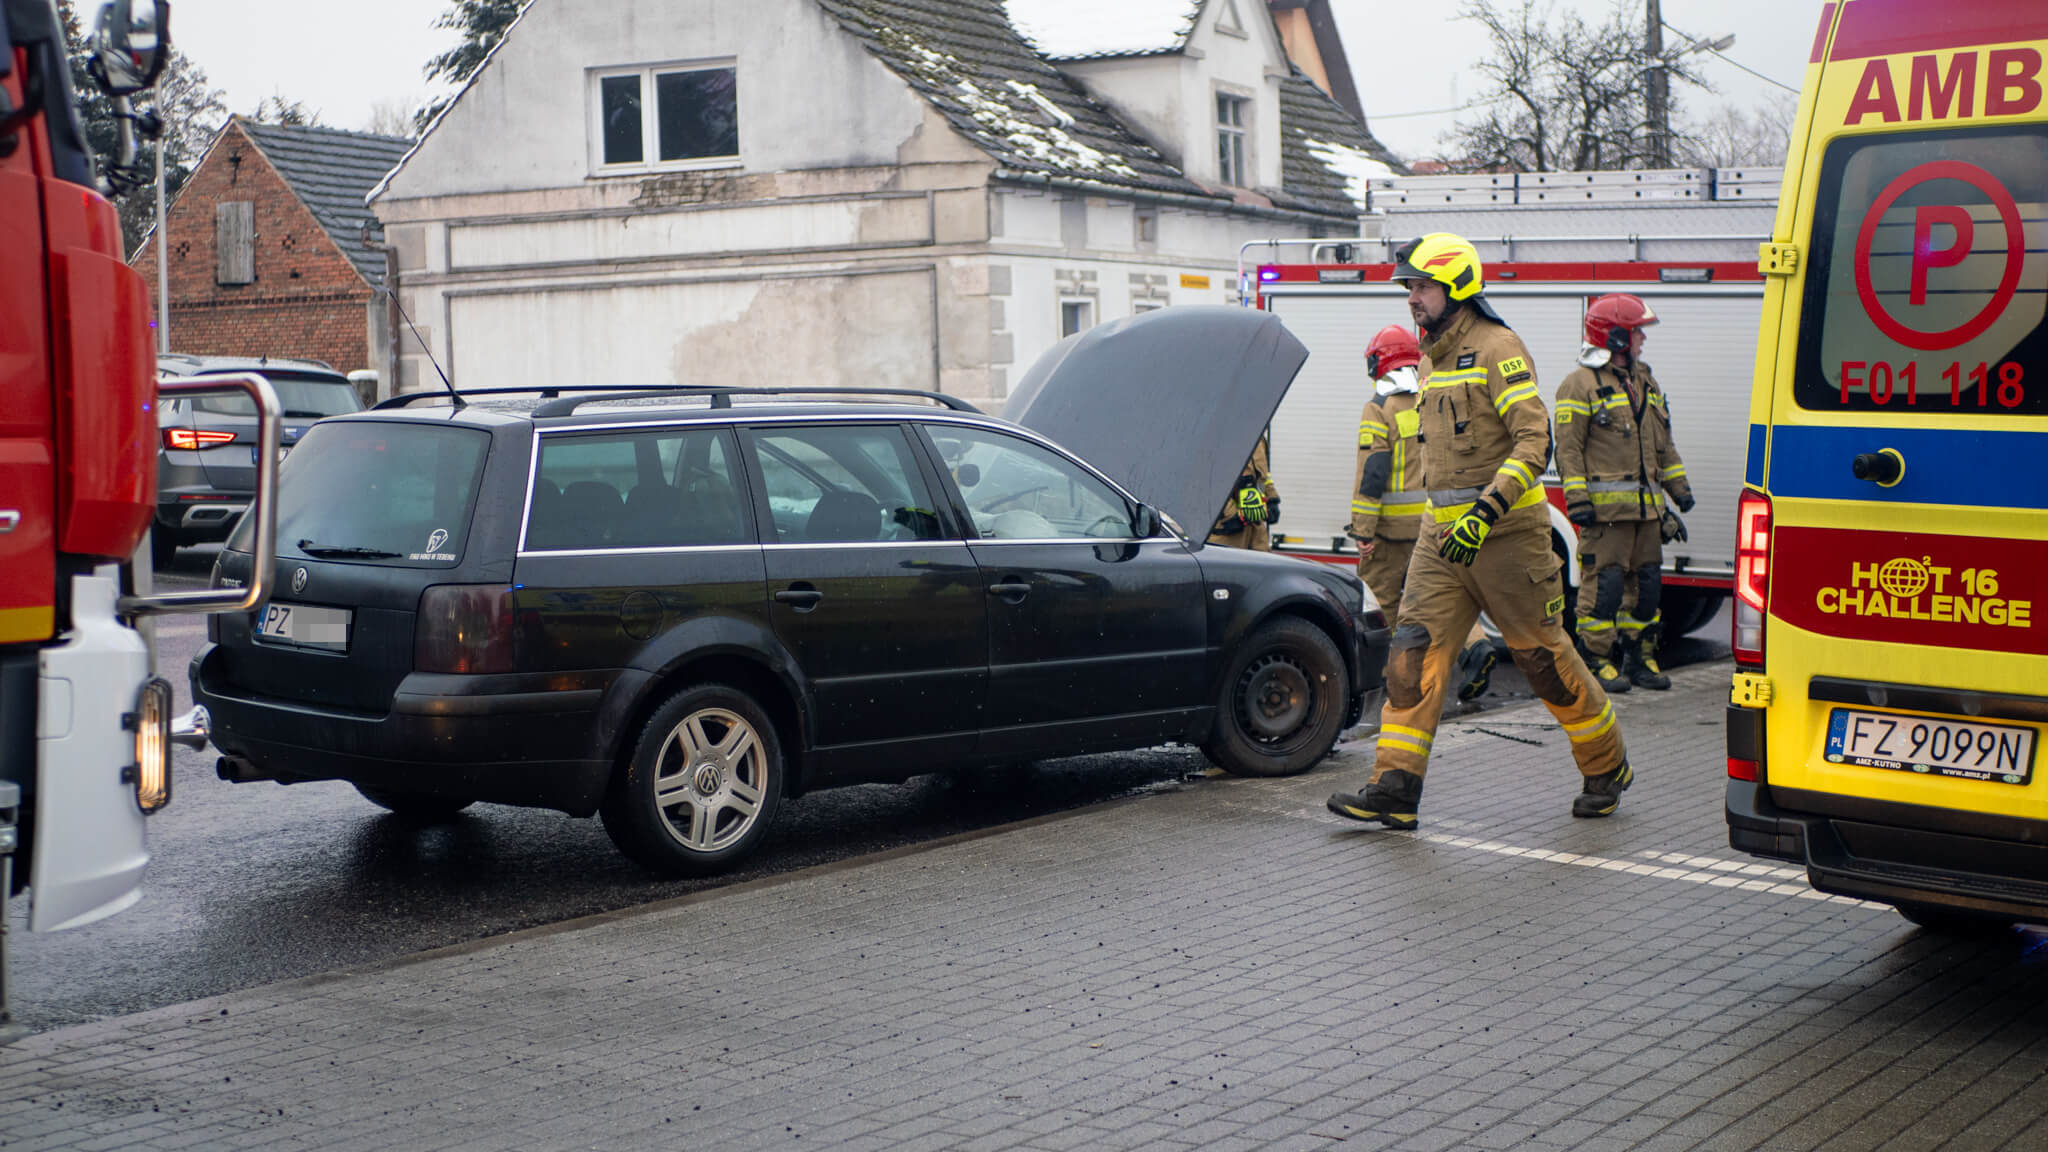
x=1906 y=644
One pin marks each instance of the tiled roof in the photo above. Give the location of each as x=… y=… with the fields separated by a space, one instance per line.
x=332 y=171
x=1325 y=153
x=966 y=60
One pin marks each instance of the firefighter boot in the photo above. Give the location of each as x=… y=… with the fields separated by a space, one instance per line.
x=1643 y=670
x=1475 y=669
x=1612 y=679
x=1390 y=799
x=1602 y=793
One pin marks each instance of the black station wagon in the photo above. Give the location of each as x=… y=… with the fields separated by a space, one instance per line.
x=677 y=607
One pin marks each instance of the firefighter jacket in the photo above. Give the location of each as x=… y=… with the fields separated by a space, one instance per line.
x=1485 y=434
x=1387 y=497
x=1614 y=444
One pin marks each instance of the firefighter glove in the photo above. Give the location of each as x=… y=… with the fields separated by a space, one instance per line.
x=1580 y=512
x=1462 y=538
x=1685 y=502
x=1272 y=510
x=1251 y=505
x=1672 y=527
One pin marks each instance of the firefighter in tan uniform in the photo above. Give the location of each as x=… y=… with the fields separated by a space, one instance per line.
x=1388 y=498
x=1485 y=442
x=1252 y=508
x=1617 y=461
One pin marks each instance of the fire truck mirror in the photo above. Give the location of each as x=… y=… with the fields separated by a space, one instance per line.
x=131 y=44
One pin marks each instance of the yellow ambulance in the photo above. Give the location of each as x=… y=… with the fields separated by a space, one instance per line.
x=1890 y=701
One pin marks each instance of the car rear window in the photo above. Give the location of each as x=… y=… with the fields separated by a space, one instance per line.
x=670 y=488
x=301 y=397
x=383 y=493
x=1929 y=276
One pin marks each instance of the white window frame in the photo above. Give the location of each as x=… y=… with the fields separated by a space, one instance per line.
x=1086 y=303
x=1239 y=134
x=650 y=125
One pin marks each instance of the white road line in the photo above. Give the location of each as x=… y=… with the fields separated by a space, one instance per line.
x=1706 y=870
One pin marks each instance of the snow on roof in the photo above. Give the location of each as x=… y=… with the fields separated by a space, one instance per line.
x=1001 y=118
x=1355 y=165
x=1072 y=29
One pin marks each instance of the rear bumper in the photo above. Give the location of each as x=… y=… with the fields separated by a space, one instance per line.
x=532 y=745
x=1886 y=852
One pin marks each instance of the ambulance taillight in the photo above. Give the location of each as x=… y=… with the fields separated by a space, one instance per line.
x=1752 y=577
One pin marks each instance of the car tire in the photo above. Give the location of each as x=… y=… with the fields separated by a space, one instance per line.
x=1953 y=922
x=1283 y=701
x=163 y=548
x=703 y=784
x=415 y=805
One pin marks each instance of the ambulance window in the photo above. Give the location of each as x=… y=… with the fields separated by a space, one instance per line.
x=1929 y=275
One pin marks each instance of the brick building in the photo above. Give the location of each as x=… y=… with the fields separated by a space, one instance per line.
x=272 y=252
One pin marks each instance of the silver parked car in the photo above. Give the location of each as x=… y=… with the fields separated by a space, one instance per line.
x=206 y=453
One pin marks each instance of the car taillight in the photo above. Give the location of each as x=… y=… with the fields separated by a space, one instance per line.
x=1752 y=577
x=466 y=628
x=188 y=439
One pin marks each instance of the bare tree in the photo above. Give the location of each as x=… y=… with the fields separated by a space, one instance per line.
x=1563 y=94
x=1730 y=137
x=391 y=118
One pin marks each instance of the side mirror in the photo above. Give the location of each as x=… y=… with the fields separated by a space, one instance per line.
x=1145 y=524
x=131 y=44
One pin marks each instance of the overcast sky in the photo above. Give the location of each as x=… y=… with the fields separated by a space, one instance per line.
x=1407 y=57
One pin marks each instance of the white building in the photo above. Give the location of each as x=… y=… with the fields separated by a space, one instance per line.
x=903 y=193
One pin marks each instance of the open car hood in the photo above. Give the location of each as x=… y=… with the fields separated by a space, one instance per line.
x=1168 y=403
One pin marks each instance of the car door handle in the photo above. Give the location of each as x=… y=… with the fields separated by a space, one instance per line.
x=803 y=599
x=1010 y=592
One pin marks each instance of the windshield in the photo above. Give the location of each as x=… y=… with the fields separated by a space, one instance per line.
x=1930 y=275
x=375 y=491
x=307 y=397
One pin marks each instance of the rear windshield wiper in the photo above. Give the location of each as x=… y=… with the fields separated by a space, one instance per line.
x=332 y=551
x=306 y=412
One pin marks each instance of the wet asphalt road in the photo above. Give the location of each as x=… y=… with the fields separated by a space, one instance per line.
x=255 y=883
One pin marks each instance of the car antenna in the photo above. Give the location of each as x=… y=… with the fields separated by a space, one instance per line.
x=421 y=340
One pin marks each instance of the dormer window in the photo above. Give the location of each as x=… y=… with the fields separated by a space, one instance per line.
x=1232 y=112
x=675 y=116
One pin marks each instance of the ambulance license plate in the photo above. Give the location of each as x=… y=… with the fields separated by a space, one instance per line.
x=1963 y=749
x=304 y=626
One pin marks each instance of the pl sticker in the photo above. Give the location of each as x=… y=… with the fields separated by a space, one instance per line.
x=435 y=540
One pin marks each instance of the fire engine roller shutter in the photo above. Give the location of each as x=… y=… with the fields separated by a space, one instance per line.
x=1315 y=433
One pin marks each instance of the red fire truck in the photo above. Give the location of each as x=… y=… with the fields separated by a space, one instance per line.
x=1335 y=293
x=85 y=725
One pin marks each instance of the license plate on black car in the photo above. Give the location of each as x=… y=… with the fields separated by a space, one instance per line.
x=1931 y=746
x=304 y=626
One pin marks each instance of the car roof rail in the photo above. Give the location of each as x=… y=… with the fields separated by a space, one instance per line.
x=721 y=396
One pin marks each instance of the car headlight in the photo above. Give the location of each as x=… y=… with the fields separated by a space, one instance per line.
x=152 y=768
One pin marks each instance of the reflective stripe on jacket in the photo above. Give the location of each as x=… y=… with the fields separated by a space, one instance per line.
x=1625 y=465
x=1389 y=426
x=1485 y=431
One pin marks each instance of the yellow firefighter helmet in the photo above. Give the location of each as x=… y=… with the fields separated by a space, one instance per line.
x=1446 y=258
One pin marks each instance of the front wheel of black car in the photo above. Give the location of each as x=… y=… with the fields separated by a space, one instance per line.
x=414 y=805
x=702 y=786
x=1283 y=702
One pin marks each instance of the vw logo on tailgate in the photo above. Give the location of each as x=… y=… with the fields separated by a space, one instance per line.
x=299 y=581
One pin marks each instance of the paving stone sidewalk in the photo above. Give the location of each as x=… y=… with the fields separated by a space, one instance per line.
x=1220 y=965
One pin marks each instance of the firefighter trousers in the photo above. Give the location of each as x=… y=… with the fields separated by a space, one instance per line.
x=1620 y=582
x=1386 y=573
x=1514 y=580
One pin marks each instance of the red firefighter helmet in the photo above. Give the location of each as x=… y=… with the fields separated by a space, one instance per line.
x=1611 y=319
x=1392 y=347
